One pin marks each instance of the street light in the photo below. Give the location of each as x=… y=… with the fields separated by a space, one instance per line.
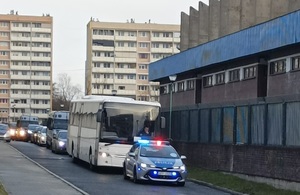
x=172 y=79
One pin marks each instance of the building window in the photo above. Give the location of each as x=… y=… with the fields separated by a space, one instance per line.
x=121 y=87
x=143 y=66
x=156 y=34
x=143 y=45
x=163 y=89
x=220 y=78
x=234 y=75
x=277 y=67
x=208 y=81
x=143 y=34
x=181 y=86
x=131 y=44
x=143 y=56
x=190 y=84
x=106 y=86
x=143 y=77
x=155 y=45
x=143 y=88
x=296 y=63
x=120 y=44
x=250 y=72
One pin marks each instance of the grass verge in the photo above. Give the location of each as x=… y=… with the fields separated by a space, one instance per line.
x=2 y=190
x=235 y=183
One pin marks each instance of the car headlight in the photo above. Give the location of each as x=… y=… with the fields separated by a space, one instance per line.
x=29 y=131
x=22 y=132
x=61 y=143
x=182 y=167
x=12 y=132
x=143 y=165
x=43 y=137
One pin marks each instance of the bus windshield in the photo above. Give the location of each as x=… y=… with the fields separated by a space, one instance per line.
x=121 y=121
x=26 y=123
x=60 y=124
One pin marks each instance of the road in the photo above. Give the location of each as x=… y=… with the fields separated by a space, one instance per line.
x=108 y=181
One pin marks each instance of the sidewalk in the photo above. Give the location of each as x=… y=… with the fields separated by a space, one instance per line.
x=20 y=176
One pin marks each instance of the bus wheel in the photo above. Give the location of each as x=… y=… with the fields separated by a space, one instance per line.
x=92 y=167
x=73 y=156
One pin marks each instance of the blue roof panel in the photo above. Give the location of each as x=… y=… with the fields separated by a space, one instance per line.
x=275 y=33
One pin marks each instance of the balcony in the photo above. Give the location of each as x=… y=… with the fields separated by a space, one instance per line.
x=103 y=59
x=41 y=68
x=103 y=37
x=23 y=87
x=17 y=67
x=125 y=70
x=20 y=48
x=125 y=81
x=42 y=30
x=42 y=59
x=162 y=50
x=102 y=48
x=41 y=49
x=21 y=58
x=20 y=77
x=40 y=78
x=41 y=87
x=128 y=60
x=126 y=38
x=41 y=39
x=20 y=29
x=122 y=49
x=15 y=38
x=103 y=80
x=102 y=70
x=162 y=39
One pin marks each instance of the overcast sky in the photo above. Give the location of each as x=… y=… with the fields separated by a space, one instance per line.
x=70 y=18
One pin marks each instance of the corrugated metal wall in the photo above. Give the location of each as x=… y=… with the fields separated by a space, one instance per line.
x=275 y=124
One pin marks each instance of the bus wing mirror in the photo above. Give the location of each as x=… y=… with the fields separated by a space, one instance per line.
x=99 y=116
x=162 y=122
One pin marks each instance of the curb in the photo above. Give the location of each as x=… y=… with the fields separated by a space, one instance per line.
x=216 y=187
x=53 y=174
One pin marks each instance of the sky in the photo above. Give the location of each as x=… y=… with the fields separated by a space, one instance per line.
x=70 y=18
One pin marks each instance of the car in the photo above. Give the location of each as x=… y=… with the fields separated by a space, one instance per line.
x=59 y=142
x=158 y=161
x=4 y=132
x=35 y=133
x=31 y=130
x=41 y=136
x=12 y=129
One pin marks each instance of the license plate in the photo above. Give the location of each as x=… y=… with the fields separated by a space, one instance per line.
x=164 y=173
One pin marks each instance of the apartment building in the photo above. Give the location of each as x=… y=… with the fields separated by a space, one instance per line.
x=25 y=65
x=119 y=54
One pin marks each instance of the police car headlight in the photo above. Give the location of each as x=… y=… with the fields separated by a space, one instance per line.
x=182 y=167
x=43 y=137
x=29 y=131
x=143 y=165
x=61 y=144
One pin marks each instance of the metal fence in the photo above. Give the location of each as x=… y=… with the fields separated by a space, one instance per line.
x=274 y=124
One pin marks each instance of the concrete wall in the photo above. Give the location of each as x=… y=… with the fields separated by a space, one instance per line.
x=184 y=32
x=193 y=27
x=203 y=23
x=223 y=17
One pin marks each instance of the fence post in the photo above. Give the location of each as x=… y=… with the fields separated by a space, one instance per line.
x=284 y=124
x=266 y=125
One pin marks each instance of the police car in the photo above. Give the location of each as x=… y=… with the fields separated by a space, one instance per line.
x=154 y=161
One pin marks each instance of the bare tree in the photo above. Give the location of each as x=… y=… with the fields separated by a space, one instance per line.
x=64 y=92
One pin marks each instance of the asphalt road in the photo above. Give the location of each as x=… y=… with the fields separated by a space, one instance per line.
x=108 y=181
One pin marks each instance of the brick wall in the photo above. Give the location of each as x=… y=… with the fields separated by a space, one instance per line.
x=272 y=162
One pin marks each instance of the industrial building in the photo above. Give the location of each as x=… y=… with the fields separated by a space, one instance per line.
x=119 y=54
x=25 y=65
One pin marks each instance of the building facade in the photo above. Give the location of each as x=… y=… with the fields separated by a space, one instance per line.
x=119 y=54
x=25 y=65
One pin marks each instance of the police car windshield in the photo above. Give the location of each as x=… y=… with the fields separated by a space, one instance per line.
x=158 y=151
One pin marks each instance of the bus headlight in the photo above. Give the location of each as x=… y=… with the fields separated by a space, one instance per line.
x=12 y=132
x=104 y=154
x=43 y=137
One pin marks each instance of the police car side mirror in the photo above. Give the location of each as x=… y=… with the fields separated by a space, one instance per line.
x=183 y=157
x=131 y=154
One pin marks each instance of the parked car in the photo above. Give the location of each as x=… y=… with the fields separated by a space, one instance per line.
x=59 y=142
x=12 y=129
x=4 y=132
x=154 y=161
x=41 y=136
x=31 y=130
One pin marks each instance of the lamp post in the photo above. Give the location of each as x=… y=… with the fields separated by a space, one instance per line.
x=172 y=79
x=14 y=106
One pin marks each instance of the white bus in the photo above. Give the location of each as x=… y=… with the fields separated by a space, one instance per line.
x=102 y=128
